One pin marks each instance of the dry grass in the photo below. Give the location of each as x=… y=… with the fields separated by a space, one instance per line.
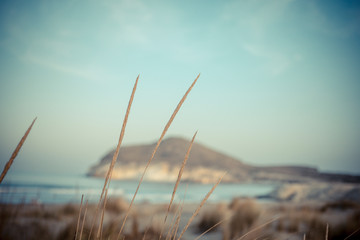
x=7 y=215
x=16 y=151
x=78 y=222
x=342 y=205
x=295 y=221
x=69 y=232
x=69 y=210
x=156 y=148
x=245 y=212
x=116 y=154
x=174 y=226
x=334 y=220
x=241 y=219
x=117 y=205
x=33 y=230
x=73 y=230
x=178 y=181
x=103 y=200
x=210 y=218
x=83 y=221
x=211 y=228
x=199 y=207
x=252 y=234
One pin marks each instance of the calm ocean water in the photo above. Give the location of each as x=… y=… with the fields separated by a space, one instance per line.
x=18 y=188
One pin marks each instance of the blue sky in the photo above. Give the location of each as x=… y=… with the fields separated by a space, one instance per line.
x=279 y=79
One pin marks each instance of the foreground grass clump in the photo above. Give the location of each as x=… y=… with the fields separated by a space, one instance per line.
x=246 y=219
x=211 y=217
x=234 y=219
x=245 y=212
x=117 y=205
x=145 y=221
x=336 y=220
x=32 y=230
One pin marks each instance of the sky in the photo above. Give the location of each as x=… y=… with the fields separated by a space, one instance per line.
x=279 y=81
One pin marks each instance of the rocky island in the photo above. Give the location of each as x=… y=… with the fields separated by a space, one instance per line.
x=204 y=165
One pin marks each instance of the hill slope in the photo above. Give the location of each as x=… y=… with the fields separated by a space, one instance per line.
x=204 y=165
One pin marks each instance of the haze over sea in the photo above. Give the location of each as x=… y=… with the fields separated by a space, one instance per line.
x=25 y=187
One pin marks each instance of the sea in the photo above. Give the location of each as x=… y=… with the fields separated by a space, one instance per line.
x=61 y=189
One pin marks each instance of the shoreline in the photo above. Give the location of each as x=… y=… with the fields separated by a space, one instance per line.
x=157 y=193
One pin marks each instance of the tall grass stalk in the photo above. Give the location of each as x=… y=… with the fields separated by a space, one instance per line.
x=327 y=232
x=176 y=219
x=178 y=181
x=155 y=150
x=352 y=234
x=83 y=221
x=200 y=206
x=211 y=228
x=78 y=221
x=172 y=222
x=177 y=222
x=171 y=229
x=116 y=154
x=99 y=234
x=259 y=227
x=16 y=151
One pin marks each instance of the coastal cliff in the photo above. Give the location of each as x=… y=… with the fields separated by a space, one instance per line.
x=204 y=165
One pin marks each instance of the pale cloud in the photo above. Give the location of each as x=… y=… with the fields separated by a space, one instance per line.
x=255 y=16
x=127 y=9
x=53 y=49
x=132 y=21
x=51 y=53
x=53 y=46
x=322 y=21
x=267 y=14
x=254 y=22
x=157 y=31
x=275 y=62
x=89 y=73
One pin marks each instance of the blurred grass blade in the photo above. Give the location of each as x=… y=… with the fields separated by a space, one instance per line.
x=178 y=181
x=16 y=151
x=115 y=156
x=212 y=227
x=155 y=150
x=261 y=226
x=78 y=222
x=200 y=206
